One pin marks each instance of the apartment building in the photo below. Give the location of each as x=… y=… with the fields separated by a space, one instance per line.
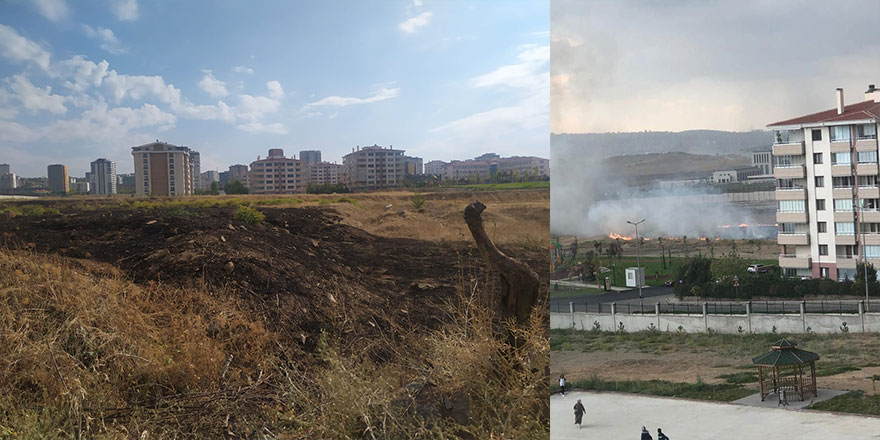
x=8 y=183
x=826 y=168
x=102 y=179
x=163 y=169
x=310 y=156
x=326 y=173
x=373 y=167
x=207 y=178
x=196 y=160
x=59 y=180
x=277 y=174
x=5 y=168
x=413 y=165
x=490 y=164
x=435 y=167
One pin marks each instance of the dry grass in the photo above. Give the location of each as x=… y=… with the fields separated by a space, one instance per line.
x=84 y=353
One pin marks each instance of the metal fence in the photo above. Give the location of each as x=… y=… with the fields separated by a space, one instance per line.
x=722 y=308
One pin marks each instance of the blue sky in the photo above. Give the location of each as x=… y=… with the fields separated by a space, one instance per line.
x=440 y=79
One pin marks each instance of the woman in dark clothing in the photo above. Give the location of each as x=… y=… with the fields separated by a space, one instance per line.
x=579 y=411
x=661 y=435
x=645 y=434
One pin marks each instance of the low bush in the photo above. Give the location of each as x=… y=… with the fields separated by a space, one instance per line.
x=251 y=216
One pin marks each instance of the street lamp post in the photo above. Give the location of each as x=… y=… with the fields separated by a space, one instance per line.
x=638 y=256
x=864 y=257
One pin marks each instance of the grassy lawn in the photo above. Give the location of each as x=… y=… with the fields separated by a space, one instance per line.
x=655 y=273
x=509 y=185
x=564 y=291
x=702 y=391
x=856 y=402
x=838 y=353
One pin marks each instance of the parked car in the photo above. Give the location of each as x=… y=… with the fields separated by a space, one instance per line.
x=758 y=268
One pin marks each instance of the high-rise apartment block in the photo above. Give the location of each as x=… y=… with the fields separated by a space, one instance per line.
x=59 y=181
x=238 y=172
x=102 y=178
x=8 y=181
x=163 y=169
x=5 y=168
x=196 y=159
x=277 y=174
x=373 y=167
x=326 y=173
x=413 y=165
x=310 y=156
x=826 y=168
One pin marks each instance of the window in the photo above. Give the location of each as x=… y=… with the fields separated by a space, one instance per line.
x=843 y=205
x=872 y=251
x=842 y=181
x=817 y=134
x=817 y=157
x=867 y=157
x=840 y=158
x=782 y=136
x=839 y=133
x=789 y=161
x=791 y=206
x=822 y=227
x=844 y=228
x=867 y=131
x=820 y=204
x=823 y=249
x=867 y=181
x=820 y=181
x=824 y=272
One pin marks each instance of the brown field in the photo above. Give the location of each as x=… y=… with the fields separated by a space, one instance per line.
x=331 y=317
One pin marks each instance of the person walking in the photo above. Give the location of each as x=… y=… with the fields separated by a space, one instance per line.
x=661 y=435
x=645 y=434
x=579 y=412
x=562 y=383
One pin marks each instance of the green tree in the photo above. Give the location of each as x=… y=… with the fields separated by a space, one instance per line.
x=236 y=187
x=858 y=287
x=215 y=188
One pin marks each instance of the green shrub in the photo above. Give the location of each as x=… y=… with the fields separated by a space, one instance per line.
x=246 y=214
x=418 y=202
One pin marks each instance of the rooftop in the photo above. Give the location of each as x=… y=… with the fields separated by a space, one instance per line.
x=853 y=112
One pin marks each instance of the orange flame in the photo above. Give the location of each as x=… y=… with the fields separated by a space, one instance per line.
x=616 y=236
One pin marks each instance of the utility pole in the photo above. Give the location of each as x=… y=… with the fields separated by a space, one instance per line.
x=864 y=257
x=638 y=257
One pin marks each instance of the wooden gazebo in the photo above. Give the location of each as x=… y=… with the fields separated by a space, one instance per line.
x=787 y=369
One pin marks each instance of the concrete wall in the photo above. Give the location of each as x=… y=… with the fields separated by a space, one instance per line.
x=698 y=323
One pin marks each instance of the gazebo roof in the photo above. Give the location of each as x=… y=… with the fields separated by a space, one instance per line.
x=785 y=352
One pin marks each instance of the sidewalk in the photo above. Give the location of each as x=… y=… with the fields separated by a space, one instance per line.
x=568 y=282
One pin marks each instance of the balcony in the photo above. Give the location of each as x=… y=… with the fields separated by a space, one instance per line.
x=840 y=147
x=793 y=239
x=843 y=216
x=869 y=192
x=842 y=193
x=847 y=261
x=870 y=216
x=865 y=169
x=841 y=170
x=844 y=239
x=789 y=149
x=866 y=144
x=791 y=217
x=791 y=194
x=794 y=262
x=790 y=172
x=872 y=239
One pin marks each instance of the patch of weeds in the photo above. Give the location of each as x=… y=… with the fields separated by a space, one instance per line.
x=251 y=216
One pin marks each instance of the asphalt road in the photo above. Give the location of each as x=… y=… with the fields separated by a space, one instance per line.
x=610 y=297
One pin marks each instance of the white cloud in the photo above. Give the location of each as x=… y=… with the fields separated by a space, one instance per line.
x=417 y=3
x=81 y=73
x=7 y=111
x=242 y=69
x=413 y=24
x=17 y=48
x=108 y=40
x=530 y=73
x=125 y=10
x=34 y=98
x=339 y=101
x=102 y=123
x=137 y=87
x=259 y=127
x=15 y=132
x=275 y=90
x=213 y=86
x=54 y=10
x=253 y=108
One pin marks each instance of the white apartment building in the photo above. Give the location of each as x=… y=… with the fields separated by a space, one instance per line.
x=102 y=178
x=206 y=178
x=326 y=173
x=374 y=167
x=435 y=167
x=826 y=167
x=277 y=174
x=163 y=169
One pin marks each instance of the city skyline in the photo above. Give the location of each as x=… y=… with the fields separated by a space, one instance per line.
x=83 y=81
